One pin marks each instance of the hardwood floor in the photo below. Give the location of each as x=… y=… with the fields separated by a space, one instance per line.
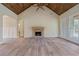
x=39 y=47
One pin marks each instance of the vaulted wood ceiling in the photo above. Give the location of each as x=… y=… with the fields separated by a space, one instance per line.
x=58 y=8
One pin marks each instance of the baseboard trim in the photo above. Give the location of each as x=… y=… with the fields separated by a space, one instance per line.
x=39 y=37
x=69 y=41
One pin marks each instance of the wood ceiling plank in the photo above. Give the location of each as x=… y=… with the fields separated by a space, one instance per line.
x=17 y=7
x=58 y=8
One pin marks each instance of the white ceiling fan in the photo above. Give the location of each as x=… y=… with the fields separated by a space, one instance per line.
x=40 y=6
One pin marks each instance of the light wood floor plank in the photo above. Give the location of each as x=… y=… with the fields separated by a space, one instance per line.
x=39 y=47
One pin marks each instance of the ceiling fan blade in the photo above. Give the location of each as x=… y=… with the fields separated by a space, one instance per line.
x=46 y=4
x=37 y=9
x=42 y=8
x=34 y=5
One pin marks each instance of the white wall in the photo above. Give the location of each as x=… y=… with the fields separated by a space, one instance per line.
x=45 y=18
x=1 y=28
x=4 y=10
x=65 y=20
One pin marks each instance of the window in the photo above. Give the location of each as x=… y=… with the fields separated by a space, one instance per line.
x=76 y=27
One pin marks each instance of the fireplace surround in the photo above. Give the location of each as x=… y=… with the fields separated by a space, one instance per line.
x=38 y=31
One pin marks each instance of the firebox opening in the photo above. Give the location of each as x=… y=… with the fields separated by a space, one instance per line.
x=37 y=33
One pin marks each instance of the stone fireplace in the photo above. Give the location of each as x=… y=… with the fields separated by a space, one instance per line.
x=37 y=31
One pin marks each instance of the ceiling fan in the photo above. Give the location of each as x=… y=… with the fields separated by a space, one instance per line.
x=40 y=6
